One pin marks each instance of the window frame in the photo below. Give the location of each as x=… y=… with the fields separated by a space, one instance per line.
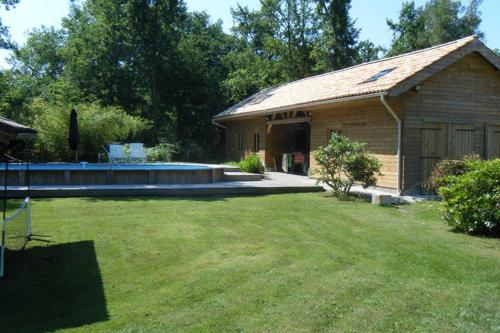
x=239 y=142
x=256 y=142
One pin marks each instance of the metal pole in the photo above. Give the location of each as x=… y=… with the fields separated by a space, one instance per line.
x=5 y=188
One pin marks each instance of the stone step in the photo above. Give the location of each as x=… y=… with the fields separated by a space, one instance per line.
x=236 y=176
x=231 y=168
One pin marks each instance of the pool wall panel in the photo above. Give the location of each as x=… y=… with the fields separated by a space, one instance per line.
x=112 y=177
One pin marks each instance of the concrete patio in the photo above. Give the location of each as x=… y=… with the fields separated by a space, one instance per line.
x=271 y=183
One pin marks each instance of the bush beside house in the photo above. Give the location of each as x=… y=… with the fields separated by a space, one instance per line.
x=471 y=198
x=342 y=163
x=251 y=164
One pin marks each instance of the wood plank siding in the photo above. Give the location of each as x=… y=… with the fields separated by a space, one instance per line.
x=450 y=116
x=245 y=129
x=364 y=121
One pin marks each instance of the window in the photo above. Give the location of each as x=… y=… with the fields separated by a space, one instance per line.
x=256 y=142
x=379 y=75
x=240 y=142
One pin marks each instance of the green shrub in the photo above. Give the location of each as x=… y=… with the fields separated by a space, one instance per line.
x=98 y=125
x=161 y=153
x=251 y=164
x=342 y=163
x=471 y=201
x=449 y=167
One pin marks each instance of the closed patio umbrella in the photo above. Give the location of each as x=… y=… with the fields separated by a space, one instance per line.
x=74 y=134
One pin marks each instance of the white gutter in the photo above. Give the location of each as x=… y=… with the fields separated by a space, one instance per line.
x=398 y=121
x=217 y=124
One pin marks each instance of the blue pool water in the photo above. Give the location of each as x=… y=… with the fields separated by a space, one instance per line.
x=92 y=167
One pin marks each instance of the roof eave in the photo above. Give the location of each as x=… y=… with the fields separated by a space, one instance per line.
x=293 y=107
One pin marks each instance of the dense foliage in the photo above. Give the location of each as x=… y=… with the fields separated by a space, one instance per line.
x=98 y=125
x=163 y=152
x=449 y=167
x=342 y=163
x=471 y=201
x=175 y=69
x=436 y=22
x=251 y=164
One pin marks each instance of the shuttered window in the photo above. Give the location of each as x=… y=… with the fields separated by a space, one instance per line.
x=492 y=141
x=256 y=142
x=444 y=140
x=434 y=146
x=240 y=142
x=461 y=140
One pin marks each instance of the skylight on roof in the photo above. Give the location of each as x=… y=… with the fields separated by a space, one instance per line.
x=379 y=75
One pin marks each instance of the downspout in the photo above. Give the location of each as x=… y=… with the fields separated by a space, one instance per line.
x=217 y=124
x=398 y=121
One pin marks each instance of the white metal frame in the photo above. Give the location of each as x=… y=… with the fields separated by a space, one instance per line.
x=25 y=205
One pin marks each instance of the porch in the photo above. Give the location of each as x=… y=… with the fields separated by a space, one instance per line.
x=287 y=147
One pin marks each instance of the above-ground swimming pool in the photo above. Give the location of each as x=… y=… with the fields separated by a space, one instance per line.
x=110 y=174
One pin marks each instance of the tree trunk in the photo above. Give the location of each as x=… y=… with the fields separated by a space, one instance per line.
x=154 y=106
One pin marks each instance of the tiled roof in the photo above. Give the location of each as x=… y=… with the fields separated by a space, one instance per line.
x=355 y=81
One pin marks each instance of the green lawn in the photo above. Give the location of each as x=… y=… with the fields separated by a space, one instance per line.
x=286 y=263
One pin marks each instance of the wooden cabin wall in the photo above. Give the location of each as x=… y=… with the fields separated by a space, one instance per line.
x=364 y=121
x=247 y=127
x=454 y=113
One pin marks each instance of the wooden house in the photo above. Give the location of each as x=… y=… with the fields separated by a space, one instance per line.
x=411 y=110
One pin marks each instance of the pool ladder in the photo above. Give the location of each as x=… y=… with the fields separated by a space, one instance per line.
x=111 y=159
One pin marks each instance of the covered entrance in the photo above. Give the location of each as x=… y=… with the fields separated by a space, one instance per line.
x=288 y=142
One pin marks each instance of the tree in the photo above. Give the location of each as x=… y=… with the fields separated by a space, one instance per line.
x=198 y=92
x=5 y=42
x=34 y=67
x=40 y=57
x=155 y=31
x=407 y=32
x=367 y=51
x=439 y=21
x=281 y=33
x=98 y=54
x=337 y=46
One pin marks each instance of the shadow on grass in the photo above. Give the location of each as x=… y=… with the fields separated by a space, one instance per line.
x=200 y=198
x=50 y=288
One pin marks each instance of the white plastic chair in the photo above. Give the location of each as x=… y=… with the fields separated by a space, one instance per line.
x=117 y=153
x=137 y=152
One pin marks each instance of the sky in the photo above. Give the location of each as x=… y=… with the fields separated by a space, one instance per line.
x=370 y=16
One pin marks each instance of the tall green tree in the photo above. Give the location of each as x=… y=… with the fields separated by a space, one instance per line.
x=34 y=66
x=275 y=45
x=437 y=22
x=155 y=28
x=5 y=41
x=337 y=46
x=98 y=53
x=198 y=92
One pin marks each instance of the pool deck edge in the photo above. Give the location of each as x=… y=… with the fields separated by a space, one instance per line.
x=273 y=183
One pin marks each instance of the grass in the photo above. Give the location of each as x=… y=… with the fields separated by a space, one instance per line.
x=288 y=263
